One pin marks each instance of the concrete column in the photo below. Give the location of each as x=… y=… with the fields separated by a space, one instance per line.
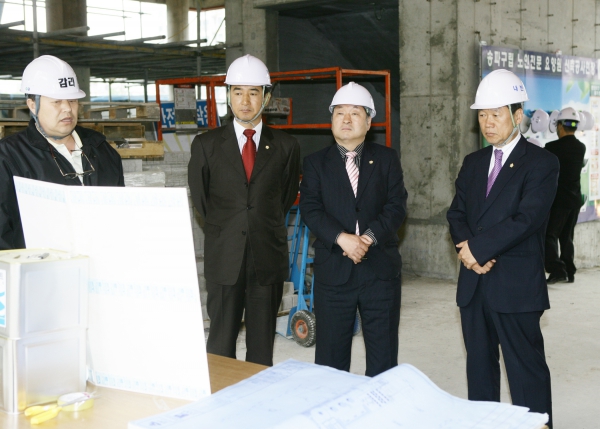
x=436 y=82
x=65 y=14
x=177 y=20
x=62 y=14
x=255 y=29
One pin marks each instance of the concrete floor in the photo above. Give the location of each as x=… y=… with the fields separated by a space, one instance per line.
x=431 y=340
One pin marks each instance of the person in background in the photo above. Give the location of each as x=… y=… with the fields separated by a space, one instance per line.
x=244 y=178
x=352 y=198
x=567 y=203
x=53 y=148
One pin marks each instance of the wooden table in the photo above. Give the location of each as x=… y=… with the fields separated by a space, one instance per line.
x=115 y=408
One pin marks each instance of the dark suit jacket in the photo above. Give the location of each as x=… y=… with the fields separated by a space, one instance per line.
x=27 y=154
x=234 y=210
x=570 y=153
x=509 y=226
x=328 y=206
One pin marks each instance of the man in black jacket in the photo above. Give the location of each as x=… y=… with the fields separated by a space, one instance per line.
x=565 y=209
x=243 y=179
x=353 y=200
x=52 y=148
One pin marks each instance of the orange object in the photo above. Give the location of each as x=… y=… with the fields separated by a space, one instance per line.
x=337 y=73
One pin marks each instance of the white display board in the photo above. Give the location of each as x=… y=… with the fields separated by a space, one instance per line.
x=145 y=320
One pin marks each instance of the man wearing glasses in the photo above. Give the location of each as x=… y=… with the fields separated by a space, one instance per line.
x=52 y=148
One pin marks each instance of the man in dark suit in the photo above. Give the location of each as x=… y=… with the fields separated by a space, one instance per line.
x=498 y=222
x=352 y=198
x=244 y=178
x=53 y=148
x=567 y=203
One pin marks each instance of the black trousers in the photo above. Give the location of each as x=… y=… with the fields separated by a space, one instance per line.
x=226 y=305
x=378 y=302
x=520 y=337
x=561 y=228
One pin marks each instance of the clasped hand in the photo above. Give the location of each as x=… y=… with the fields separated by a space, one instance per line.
x=469 y=261
x=355 y=247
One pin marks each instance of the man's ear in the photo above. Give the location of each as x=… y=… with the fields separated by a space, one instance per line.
x=518 y=115
x=31 y=105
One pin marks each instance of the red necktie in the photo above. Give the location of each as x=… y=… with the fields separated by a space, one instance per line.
x=249 y=153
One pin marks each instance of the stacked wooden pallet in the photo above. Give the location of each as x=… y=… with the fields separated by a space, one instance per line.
x=119 y=122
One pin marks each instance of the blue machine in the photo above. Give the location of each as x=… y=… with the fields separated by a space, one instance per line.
x=301 y=320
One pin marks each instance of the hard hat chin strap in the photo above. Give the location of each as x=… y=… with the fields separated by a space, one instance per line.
x=515 y=128
x=39 y=126
x=266 y=99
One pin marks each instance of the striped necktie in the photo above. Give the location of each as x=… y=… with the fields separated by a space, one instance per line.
x=352 y=171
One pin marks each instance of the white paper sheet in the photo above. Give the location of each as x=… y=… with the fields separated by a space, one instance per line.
x=405 y=398
x=145 y=320
x=261 y=401
x=299 y=395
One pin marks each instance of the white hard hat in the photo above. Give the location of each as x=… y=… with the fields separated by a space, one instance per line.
x=356 y=95
x=568 y=114
x=499 y=88
x=524 y=125
x=539 y=121
x=552 y=124
x=248 y=70
x=51 y=77
x=589 y=120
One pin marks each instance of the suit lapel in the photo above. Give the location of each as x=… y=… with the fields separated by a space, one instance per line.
x=231 y=149
x=266 y=149
x=337 y=166
x=367 y=165
x=481 y=176
x=510 y=167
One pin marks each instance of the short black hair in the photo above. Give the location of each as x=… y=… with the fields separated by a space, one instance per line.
x=567 y=126
x=515 y=107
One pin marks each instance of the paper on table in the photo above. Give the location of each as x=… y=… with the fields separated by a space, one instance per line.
x=404 y=397
x=145 y=319
x=261 y=401
x=300 y=395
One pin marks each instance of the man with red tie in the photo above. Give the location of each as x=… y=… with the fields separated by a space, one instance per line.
x=498 y=222
x=353 y=199
x=243 y=179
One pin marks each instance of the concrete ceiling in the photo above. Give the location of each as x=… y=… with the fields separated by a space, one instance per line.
x=366 y=33
x=320 y=8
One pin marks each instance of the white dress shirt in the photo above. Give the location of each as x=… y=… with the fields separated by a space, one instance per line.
x=506 y=152
x=73 y=157
x=239 y=133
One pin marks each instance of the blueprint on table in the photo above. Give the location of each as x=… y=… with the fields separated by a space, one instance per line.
x=404 y=397
x=300 y=395
x=261 y=401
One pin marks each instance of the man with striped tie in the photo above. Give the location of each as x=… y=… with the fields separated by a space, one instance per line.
x=498 y=222
x=352 y=197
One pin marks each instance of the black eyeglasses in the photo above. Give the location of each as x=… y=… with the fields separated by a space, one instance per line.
x=73 y=175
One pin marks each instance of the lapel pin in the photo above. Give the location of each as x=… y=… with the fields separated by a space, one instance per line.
x=371 y=162
x=511 y=164
x=266 y=147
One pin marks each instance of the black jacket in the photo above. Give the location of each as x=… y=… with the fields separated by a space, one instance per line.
x=234 y=210
x=27 y=154
x=570 y=153
x=328 y=207
x=508 y=225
